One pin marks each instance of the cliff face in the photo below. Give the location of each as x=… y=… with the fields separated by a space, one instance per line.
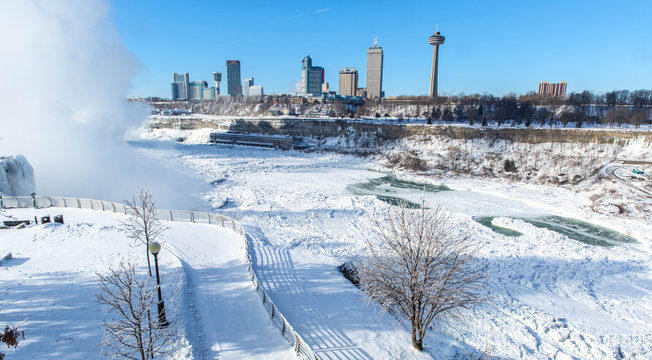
x=387 y=131
x=16 y=176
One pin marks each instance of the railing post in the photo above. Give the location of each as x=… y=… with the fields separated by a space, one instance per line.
x=50 y=199
x=78 y=203
x=283 y=326
x=264 y=297
x=64 y=203
x=171 y=215
x=209 y=217
x=192 y=217
x=273 y=311
x=102 y=202
x=233 y=222
x=91 y=201
x=297 y=345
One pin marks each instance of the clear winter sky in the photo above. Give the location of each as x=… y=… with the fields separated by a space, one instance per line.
x=493 y=47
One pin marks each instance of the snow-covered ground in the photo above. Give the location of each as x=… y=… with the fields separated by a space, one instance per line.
x=551 y=296
x=51 y=282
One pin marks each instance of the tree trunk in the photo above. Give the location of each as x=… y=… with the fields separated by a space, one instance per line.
x=416 y=342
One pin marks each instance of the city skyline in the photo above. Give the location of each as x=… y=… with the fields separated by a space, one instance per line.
x=492 y=47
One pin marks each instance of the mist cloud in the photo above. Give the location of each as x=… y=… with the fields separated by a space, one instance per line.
x=65 y=74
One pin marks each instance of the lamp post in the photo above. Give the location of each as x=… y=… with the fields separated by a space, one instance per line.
x=154 y=248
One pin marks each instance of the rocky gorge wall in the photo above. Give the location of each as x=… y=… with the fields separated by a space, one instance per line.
x=386 y=131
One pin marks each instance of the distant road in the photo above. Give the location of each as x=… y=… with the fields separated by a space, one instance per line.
x=620 y=164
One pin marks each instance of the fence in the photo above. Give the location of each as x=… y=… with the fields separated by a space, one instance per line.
x=301 y=348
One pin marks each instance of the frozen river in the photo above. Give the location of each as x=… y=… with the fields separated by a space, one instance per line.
x=550 y=295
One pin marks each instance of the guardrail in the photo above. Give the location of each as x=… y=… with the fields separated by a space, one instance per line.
x=301 y=348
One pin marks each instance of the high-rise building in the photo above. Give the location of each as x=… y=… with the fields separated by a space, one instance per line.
x=375 y=72
x=348 y=82
x=246 y=85
x=199 y=90
x=233 y=77
x=548 y=89
x=435 y=40
x=312 y=77
x=217 y=77
x=180 y=86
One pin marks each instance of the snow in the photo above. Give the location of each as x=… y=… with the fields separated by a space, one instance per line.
x=16 y=176
x=550 y=296
x=51 y=283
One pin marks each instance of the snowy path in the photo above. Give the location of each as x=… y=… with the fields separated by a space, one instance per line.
x=326 y=309
x=225 y=319
x=211 y=304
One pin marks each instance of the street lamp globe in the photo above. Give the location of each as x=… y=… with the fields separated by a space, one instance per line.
x=154 y=247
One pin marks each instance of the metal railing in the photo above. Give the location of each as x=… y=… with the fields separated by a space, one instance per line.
x=300 y=346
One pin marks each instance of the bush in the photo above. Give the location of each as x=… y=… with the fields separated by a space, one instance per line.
x=509 y=166
x=408 y=160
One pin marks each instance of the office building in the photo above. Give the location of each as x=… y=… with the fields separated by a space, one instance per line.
x=435 y=40
x=233 y=77
x=312 y=77
x=217 y=77
x=246 y=85
x=375 y=72
x=199 y=90
x=548 y=89
x=348 y=82
x=180 y=86
x=255 y=90
x=361 y=92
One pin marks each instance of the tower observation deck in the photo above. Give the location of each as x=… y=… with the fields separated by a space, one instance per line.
x=435 y=40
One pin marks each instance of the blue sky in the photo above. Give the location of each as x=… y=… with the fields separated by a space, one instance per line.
x=493 y=47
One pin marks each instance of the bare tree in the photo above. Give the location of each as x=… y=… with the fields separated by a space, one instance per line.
x=422 y=269
x=143 y=226
x=131 y=335
x=638 y=117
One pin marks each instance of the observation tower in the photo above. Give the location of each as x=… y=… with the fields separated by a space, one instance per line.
x=435 y=40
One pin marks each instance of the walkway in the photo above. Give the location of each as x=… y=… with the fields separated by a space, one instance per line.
x=225 y=318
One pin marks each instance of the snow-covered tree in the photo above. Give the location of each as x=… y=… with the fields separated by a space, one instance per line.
x=131 y=334
x=421 y=268
x=143 y=226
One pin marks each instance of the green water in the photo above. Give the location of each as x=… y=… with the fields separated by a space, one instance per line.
x=573 y=228
x=389 y=189
x=394 y=191
x=581 y=230
x=486 y=221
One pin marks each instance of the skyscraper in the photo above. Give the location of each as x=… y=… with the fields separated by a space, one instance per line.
x=233 y=77
x=180 y=86
x=375 y=72
x=348 y=82
x=435 y=40
x=217 y=77
x=311 y=77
